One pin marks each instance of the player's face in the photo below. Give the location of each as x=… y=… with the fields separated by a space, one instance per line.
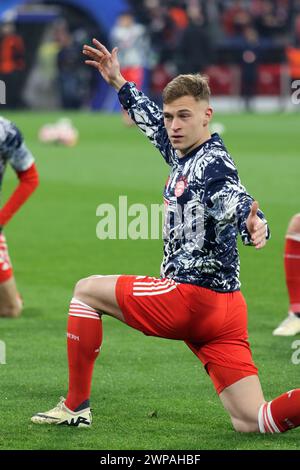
x=186 y=121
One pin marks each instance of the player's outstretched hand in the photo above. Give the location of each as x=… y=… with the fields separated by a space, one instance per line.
x=105 y=62
x=256 y=227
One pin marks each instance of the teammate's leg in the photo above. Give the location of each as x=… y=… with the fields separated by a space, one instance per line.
x=292 y=263
x=10 y=301
x=291 y=325
x=249 y=412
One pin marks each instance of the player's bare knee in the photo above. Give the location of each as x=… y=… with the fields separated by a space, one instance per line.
x=84 y=289
x=81 y=288
x=294 y=225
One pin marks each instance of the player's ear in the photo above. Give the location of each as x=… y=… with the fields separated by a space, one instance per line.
x=207 y=115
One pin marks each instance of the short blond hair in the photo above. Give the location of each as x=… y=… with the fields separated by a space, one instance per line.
x=195 y=85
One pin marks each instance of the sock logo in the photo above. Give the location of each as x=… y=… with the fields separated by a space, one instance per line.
x=74 y=337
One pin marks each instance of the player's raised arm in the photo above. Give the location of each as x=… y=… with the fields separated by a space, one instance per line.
x=105 y=62
x=146 y=114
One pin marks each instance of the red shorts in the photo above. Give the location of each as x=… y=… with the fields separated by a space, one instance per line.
x=212 y=324
x=6 y=270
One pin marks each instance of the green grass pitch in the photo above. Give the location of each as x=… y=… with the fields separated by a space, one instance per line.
x=147 y=393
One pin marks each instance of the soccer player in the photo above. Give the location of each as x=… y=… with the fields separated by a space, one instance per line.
x=197 y=298
x=291 y=325
x=13 y=151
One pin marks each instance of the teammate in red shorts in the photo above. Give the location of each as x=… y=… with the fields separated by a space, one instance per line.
x=290 y=326
x=13 y=151
x=197 y=298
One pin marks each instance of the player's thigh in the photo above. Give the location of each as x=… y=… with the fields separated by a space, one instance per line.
x=99 y=292
x=242 y=400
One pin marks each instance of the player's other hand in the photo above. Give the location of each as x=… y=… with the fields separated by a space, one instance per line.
x=256 y=227
x=105 y=62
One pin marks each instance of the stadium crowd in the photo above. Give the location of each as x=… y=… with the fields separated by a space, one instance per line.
x=272 y=19
x=180 y=36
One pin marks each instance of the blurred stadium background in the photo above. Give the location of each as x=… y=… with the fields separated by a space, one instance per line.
x=147 y=393
x=249 y=49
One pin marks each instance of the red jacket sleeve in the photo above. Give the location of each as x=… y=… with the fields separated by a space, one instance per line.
x=28 y=182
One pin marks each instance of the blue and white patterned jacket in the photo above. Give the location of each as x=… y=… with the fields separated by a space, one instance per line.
x=13 y=149
x=206 y=204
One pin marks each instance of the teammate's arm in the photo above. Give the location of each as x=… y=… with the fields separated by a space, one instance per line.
x=22 y=162
x=28 y=182
x=146 y=114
